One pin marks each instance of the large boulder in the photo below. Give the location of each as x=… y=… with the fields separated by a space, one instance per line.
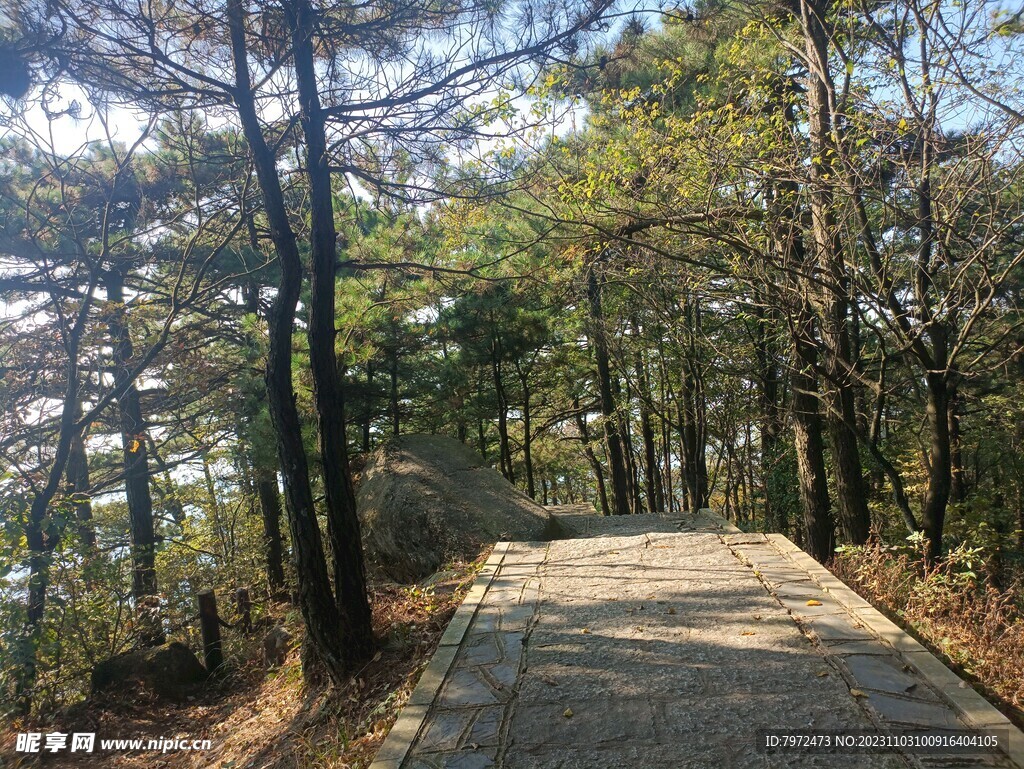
x=169 y=671
x=425 y=500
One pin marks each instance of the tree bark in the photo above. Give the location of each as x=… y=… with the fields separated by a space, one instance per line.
x=328 y=396
x=652 y=467
x=368 y=414
x=958 y=481
x=851 y=495
x=595 y=463
x=770 y=422
x=693 y=412
x=936 y=497
x=135 y=450
x=807 y=438
x=531 y=488
x=78 y=479
x=598 y=341
x=316 y=600
x=394 y=401
x=273 y=544
x=504 y=449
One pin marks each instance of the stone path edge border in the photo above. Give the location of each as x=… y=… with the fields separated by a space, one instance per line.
x=409 y=722
x=971 y=706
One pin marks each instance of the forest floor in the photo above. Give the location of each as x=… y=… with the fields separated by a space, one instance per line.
x=977 y=630
x=257 y=719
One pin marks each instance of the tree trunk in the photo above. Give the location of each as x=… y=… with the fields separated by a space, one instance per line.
x=819 y=527
x=599 y=343
x=273 y=545
x=393 y=397
x=39 y=544
x=78 y=478
x=135 y=449
x=368 y=415
x=851 y=495
x=693 y=412
x=328 y=396
x=770 y=423
x=936 y=498
x=531 y=488
x=632 y=474
x=652 y=467
x=504 y=450
x=958 y=484
x=851 y=492
x=316 y=600
x=595 y=463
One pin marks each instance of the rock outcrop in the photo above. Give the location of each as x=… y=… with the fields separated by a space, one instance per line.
x=425 y=500
x=169 y=671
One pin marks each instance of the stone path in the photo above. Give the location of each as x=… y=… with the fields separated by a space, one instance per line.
x=652 y=642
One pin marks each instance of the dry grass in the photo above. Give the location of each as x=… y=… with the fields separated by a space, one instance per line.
x=268 y=720
x=954 y=610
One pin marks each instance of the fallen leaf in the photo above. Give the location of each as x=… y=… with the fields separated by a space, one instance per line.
x=671 y=610
x=748 y=632
x=813 y=602
x=585 y=631
x=821 y=673
x=567 y=713
x=857 y=693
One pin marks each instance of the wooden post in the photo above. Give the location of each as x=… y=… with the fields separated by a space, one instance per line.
x=209 y=623
x=243 y=610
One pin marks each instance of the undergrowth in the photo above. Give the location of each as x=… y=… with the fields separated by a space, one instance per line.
x=965 y=607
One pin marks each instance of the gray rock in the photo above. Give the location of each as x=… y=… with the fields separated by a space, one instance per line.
x=276 y=644
x=169 y=671
x=425 y=500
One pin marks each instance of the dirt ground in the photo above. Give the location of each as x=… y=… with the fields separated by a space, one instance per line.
x=259 y=719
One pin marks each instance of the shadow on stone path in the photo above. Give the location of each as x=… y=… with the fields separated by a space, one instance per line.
x=648 y=642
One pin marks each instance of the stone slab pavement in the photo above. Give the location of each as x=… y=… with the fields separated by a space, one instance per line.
x=648 y=641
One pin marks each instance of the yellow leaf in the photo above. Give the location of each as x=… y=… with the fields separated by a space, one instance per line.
x=748 y=632
x=133 y=446
x=585 y=631
x=567 y=713
x=857 y=693
x=821 y=673
x=813 y=602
